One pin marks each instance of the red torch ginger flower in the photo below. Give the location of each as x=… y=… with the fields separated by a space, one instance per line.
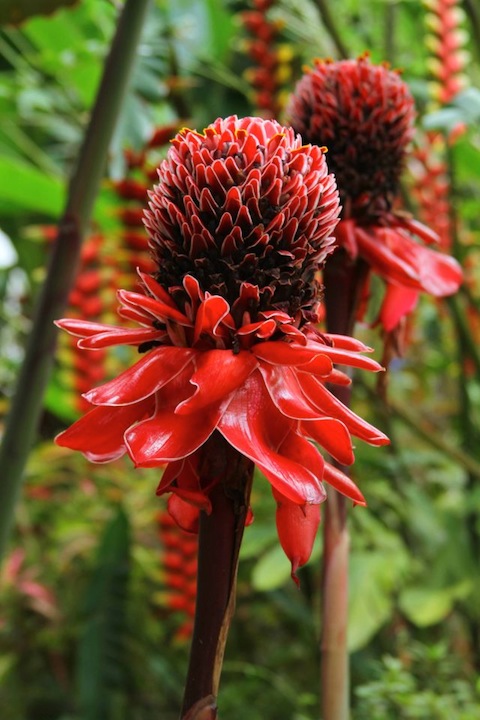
x=364 y=115
x=240 y=220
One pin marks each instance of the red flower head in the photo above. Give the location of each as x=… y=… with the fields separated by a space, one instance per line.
x=240 y=220
x=364 y=114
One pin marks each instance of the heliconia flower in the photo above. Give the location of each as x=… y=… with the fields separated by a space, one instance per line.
x=271 y=66
x=364 y=115
x=446 y=39
x=241 y=219
x=430 y=186
x=179 y=565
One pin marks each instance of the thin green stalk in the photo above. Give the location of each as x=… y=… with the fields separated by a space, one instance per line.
x=473 y=12
x=331 y=27
x=425 y=430
x=390 y=25
x=26 y=407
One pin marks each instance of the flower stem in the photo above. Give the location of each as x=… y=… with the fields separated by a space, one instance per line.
x=220 y=536
x=344 y=280
x=335 y=674
x=26 y=405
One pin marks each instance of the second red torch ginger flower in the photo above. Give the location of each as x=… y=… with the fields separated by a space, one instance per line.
x=364 y=114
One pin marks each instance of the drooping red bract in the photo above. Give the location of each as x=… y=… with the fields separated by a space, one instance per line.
x=364 y=115
x=239 y=223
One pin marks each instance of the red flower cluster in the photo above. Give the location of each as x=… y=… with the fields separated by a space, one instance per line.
x=364 y=115
x=239 y=222
x=446 y=40
x=271 y=60
x=179 y=565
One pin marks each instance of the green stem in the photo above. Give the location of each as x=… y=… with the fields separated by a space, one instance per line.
x=473 y=13
x=425 y=430
x=331 y=27
x=219 y=540
x=390 y=25
x=26 y=407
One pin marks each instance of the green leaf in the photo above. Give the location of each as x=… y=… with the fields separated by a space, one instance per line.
x=13 y=12
x=25 y=187
x=102 y=658
x=373 y=577
x=445 y=119
x=427 y=606
x=221 y=28
x=257 y=538
x=272 y=570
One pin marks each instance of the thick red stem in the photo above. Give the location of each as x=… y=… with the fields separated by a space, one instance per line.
x=344 y=281
x=220 y=536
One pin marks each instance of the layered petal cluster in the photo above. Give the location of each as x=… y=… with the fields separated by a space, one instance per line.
x=241 y=220
x=261 y=385
x=244 y=201
x=364 y=114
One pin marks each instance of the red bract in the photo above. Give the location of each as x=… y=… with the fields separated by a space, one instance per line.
x=225 y=355
x=364 y=115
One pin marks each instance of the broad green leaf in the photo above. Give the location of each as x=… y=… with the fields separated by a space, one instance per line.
x=373 y=577
x=257 y=537
x=445 y=119
x=58 y=401
x=272 y=570
x=427 y=606
x=221 y=28
x=52 y=35
x=102 y=658
x=13 y=12
x=25 y=187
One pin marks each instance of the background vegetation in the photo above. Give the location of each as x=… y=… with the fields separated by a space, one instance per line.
x=88 y=628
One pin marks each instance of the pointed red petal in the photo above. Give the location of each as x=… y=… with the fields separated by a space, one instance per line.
x=126 y=336
x=185 y=515
x=157 y=290
x=148 y=375
x=182 y=478
x=286 y=392
x=399 y=259
x=297 y=527
x=167 y=436
x=253 y=425
x=155 y=308
x=332 y=435
x=330 y=406
x=440 y=275
x=212 y=313
x=99 y=434
x=397 y=302
x=85 y=328
x=282 y=353
x=351 y=358
x=341 y=482
x=218 y=373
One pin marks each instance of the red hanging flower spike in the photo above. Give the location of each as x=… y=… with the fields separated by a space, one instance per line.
x=239 y=223
x=364 y=115
x=179 y=563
